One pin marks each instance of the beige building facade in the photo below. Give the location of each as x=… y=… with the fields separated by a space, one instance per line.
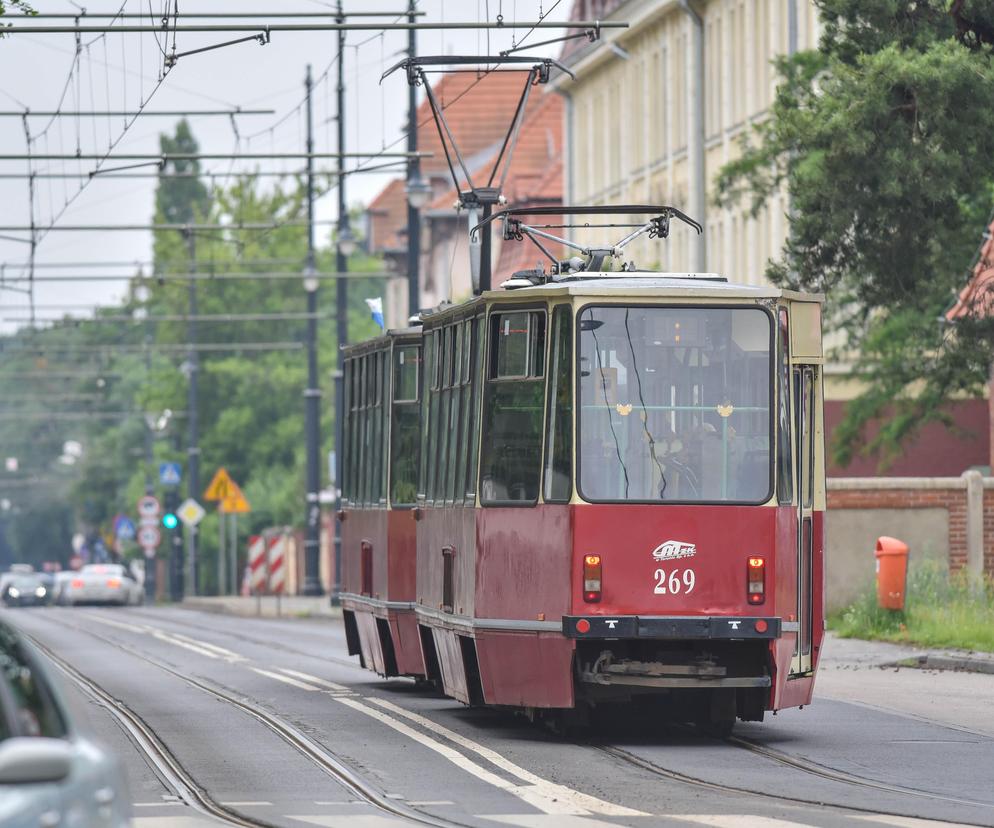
x=658 y=108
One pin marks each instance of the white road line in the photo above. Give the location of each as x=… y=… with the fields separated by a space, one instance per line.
x=168 y=639
x=330 y=685
x=582 y=801
x=221 y=651
x=738 y=821
x=548 y=821
x=906 y=822
x=135 y=628
x=424 y=803
x=153 y=804
x=545 y=796
x=355 y=821
x=246 y=804
x=285 y=679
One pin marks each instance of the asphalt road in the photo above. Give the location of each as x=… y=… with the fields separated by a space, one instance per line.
x=271 y=720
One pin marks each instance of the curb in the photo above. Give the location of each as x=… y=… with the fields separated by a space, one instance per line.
x=249 y=608
x=945 y=661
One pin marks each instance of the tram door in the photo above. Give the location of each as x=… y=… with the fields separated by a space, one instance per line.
x=804 y=426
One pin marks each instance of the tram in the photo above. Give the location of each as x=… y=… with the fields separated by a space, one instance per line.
x=620 y=492
x=381 y=381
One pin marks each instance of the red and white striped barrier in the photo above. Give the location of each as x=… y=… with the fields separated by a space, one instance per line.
x=277 y=563
x=257 y=564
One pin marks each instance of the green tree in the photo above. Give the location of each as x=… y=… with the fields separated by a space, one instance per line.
x=883 y=139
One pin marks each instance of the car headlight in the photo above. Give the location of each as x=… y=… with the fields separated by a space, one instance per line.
x=14 y=592
x=40 y=592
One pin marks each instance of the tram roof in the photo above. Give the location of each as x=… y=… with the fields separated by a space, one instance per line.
x=643 y=285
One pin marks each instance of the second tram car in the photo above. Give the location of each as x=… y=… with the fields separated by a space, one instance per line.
x=620 y=493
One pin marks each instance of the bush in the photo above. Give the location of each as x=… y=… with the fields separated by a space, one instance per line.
x=942 y=609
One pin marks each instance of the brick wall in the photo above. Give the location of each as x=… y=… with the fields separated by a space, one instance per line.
x=948 y=493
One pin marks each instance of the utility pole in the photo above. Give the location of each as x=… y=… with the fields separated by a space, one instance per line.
x=193 y=451
x=415 y=186
x=150 y=563
x=341 y=309
x=312 y=395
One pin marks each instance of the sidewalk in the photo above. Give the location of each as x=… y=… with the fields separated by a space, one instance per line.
x=267 y=606
x=854 y=653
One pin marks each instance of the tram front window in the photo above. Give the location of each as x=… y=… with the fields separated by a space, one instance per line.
x=674 y=404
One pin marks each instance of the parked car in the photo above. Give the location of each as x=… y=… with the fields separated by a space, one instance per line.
x=50 y=772
x=26 y=591
x=15 y=571
x=99 y=584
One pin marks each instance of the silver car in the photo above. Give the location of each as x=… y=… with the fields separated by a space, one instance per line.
x=100 y=584
x=50 y=773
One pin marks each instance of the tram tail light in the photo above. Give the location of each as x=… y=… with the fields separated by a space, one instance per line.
x=592 y=578
x=756 y=580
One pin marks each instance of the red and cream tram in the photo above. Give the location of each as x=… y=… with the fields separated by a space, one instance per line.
x=380 y=467
x=620 y=493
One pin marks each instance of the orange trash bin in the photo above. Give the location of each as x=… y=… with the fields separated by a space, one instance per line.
x=892 y=572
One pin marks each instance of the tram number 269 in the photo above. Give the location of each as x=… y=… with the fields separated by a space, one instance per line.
x=674 y=583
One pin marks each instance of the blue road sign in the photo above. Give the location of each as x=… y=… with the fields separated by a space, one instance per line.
x=169 y=474
x=124 y=528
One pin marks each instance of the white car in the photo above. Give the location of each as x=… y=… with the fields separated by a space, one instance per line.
x=51 y=773
x=100 y=584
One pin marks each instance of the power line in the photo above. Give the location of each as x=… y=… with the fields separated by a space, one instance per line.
x=158 y=113
x=289 y=316
x=217 y=15
x=312 y=27
x=223 y=156
x=202 y=277
x=163 y=348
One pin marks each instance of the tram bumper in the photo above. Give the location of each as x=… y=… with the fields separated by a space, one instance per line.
x=668 y=627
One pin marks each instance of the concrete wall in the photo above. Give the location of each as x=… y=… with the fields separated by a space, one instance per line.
x=851 y=536
x=947 y=519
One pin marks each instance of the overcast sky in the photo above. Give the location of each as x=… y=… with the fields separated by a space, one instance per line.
x=124 y=70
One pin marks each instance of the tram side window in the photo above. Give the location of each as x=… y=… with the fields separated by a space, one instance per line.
x=558 y=449
x=427 y=420
x=476 y=395
x=785 y=476
x=404 y=431
x=511 y=454
x=365 y=467
x=347 y=492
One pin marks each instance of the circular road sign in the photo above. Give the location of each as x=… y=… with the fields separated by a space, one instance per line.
x=149 y=537
x=148 y=507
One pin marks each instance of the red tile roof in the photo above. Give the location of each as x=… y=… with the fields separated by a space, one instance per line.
x=478 y=116
x=387 y=217
x=977 y=298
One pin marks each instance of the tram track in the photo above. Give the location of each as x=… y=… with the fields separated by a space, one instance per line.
x=186 y=786
x=814 y=769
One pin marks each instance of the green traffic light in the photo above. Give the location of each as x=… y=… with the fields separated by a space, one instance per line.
x=170 y=521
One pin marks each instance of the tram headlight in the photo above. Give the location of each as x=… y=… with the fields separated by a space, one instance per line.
x=592 y=578
x=756 y=580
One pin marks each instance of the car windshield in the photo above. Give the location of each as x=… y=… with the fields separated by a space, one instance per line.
x=674 y=404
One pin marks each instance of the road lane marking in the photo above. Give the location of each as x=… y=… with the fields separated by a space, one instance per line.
x=285 y=679
x=246 y=804
x=907 y=822
x=541 y=794
x=548 y=821
x=330 y=685
x=355 y=821
x=738 y=821
x=424 y=803
x=221 y=651
x=135 y=628
x=582 y=801
x=154 y=804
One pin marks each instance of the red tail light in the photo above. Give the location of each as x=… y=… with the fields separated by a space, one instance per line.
x=77 y=583
x=113 y=583
x=756 y=580
x=592 y=578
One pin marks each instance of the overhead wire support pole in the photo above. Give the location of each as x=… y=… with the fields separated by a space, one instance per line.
x=417 y=189
x=193 y=447
x=312 y=394
x=341 y=311
x=192 y=156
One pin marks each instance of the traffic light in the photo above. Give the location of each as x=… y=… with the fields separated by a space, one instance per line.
x=169 y=517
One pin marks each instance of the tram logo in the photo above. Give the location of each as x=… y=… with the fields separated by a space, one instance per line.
x=672 y=550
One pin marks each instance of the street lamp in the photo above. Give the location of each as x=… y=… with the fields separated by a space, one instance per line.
x=346 y=241
x=418 y=191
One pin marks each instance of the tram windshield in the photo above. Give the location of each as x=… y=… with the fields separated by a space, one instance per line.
x=674 y=404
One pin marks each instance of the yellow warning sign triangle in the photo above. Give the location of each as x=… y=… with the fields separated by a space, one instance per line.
x=221 y=486
x=235 y=504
